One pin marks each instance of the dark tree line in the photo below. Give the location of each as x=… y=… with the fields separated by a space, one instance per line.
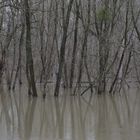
x=68 y=43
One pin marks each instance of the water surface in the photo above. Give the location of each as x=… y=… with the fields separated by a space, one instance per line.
x=70 y=118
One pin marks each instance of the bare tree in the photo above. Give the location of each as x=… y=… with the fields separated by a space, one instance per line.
x=62 y=49
x=29 y=58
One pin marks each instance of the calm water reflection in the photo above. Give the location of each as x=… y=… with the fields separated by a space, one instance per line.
x=70 y=118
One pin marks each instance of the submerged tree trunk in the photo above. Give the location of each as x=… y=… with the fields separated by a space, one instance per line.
x=18 y=69
x=102 y=66
x=29 y=58
x=74 y=46
x=62 y=49
x=120 y=66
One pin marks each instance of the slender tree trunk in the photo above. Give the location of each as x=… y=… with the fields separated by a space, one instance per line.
x=18 y=70
x=102 y=67
x=62 y=49
x=124 y=50
x=29 y=58
x=74 y=47
x=84 y=45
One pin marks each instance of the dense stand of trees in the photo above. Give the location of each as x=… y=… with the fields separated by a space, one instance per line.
x=69 y=42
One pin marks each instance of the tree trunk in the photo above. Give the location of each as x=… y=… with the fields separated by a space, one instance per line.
x=62 y=49
x=29 y=59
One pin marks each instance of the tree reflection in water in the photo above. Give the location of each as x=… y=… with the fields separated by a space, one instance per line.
x=69 y=118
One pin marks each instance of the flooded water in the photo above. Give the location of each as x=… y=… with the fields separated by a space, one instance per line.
x=70 y=118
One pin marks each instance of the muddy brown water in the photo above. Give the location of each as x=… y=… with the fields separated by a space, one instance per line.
x=69 y=118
